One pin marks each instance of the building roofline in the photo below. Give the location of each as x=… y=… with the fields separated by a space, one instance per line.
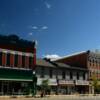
x=71 y=55
x=61 y=65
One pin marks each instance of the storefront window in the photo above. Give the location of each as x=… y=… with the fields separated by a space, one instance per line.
x=63 y=74
x=23 y=61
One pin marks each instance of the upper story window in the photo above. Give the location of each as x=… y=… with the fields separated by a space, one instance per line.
x=90 y=63
x=1 y=58
x=71 y=75
x=42 y=72
x=93 y=62
x=16 y=60
x=77 y=75
x=26 y=61
x=50 y=73
x=8 y=59
x=96 y=63
x=84 y=76
x=30 y=62
x=23 y=61
x=63 y=74
x=90 y=74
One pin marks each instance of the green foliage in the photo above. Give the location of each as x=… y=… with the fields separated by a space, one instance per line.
x=45 y=86
x=95 y=83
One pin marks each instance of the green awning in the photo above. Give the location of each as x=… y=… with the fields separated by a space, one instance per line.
x=15 y=74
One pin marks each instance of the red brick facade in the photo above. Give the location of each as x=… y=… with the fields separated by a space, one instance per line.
x=79 y=60
x=20 y=48
x=87 y=59
x=4 y=59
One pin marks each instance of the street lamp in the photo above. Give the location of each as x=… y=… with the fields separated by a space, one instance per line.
x=34 y=83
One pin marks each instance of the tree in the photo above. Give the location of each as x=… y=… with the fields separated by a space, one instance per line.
x=95 y=83
x=45 y=88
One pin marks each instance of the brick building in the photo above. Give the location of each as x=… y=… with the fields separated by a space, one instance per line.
x=86 y=59
x=17 y=63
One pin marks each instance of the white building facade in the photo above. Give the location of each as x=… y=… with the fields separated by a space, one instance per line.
x=63 y=79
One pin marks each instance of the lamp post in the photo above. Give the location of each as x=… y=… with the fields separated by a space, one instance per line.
x=34 y=83
x=34 y=78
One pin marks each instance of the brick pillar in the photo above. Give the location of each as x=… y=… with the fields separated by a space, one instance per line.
x=3 y=59
x=12 y=60
x=19 y=61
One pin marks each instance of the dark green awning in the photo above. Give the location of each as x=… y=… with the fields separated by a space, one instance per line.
x=15 y=74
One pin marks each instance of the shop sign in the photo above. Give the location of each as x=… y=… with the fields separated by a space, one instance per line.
x=69 y=82
x=52 y=82
x=66 y=82
x=62 y=81
x=82 y=82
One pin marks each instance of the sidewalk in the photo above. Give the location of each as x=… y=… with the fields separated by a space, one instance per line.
x=50 y=97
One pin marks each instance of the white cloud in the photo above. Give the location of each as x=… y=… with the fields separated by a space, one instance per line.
x=37 y=28
x=47 y=5
x=34 y=27
x=44 y=27
x=52 y=56
x=30 y=33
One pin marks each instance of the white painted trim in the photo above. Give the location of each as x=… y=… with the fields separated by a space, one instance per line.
x=14 y=79
x=20 y=53
x=4 y=51
x=16 y=52
x=15 y=68
x=12 y=52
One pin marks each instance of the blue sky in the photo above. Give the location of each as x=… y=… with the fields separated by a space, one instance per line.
x=60 y=27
